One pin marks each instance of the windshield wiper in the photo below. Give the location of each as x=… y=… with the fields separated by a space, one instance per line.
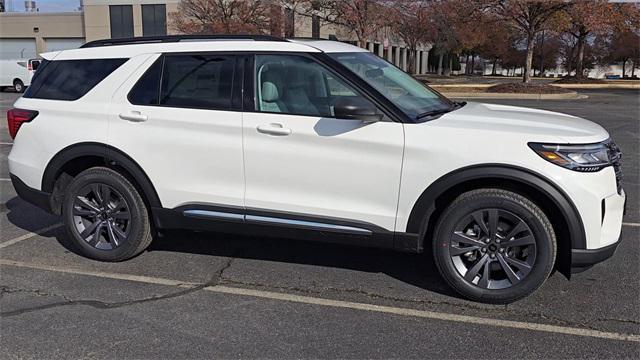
x=455 y=106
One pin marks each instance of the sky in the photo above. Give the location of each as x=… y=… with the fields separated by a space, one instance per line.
x=45 y=5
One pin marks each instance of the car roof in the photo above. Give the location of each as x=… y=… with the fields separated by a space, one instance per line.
x=133 y=49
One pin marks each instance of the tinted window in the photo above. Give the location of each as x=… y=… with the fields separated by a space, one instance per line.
x=147 y=89
x=297 y=85
x=121 y=21
x=154 y=20
x=70 y=79
x=199 y=81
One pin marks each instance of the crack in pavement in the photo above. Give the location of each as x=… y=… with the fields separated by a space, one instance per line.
x=627 y=321
x=97 y=304
x=11 y=290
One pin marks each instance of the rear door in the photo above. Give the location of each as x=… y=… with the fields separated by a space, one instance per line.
x=302 y=162
x=176 y=117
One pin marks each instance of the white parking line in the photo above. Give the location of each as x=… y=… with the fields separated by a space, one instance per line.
x=428 y=314
x=6 y=143
x=5 y=179
x=343 y=304
x=28 y=235
x=631 y=224
x=128 y=277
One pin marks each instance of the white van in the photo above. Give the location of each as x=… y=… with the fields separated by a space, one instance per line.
x=17 y=73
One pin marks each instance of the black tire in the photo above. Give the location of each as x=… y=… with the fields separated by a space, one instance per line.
x=517 y=259
x=123 y=229
x=18 y=86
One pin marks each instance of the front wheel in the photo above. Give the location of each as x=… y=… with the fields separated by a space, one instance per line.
x=105 y=216
x=494 y=246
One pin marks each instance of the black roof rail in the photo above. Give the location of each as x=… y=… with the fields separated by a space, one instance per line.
x=177 y=38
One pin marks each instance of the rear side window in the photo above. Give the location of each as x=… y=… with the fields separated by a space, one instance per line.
x=70 y=79
x=147 y=90
x=201 y=81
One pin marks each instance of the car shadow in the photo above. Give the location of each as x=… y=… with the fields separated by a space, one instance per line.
x=27 y=217
x=414 y=269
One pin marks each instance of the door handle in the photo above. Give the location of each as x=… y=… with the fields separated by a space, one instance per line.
x=274 y=129
x=134 y=116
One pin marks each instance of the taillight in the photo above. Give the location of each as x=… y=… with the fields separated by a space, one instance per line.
x=16 y=117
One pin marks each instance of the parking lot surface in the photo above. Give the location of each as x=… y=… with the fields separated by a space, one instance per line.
x=197 y=295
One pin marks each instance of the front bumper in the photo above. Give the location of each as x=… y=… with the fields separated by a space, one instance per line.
x=583 y=259
x=36 y=197
x=613 y=209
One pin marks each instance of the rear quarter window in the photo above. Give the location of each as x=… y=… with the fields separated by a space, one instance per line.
x=70 y=79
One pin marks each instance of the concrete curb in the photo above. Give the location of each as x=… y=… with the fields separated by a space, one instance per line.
x=566 y=96
x=598 y=86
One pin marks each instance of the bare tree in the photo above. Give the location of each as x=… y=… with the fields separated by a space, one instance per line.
x=222 y=16
x=410 y=20
x=530 y=17
x=363 y=18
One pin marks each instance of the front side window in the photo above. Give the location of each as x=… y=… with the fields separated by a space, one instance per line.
x=70 y=79
x=399 y=87
x=292 y=84
x=197 y=81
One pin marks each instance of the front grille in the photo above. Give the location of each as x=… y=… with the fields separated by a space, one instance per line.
x=616 y=156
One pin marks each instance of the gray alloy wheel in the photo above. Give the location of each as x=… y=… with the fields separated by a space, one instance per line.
x=494 y=245
x=105 y=216
x=101 y=216
x=492 y=248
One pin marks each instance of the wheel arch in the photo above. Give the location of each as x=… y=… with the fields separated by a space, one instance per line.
x=555 y=203
x=73 y=159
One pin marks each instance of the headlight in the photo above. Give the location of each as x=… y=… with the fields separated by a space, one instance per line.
x=582 y=157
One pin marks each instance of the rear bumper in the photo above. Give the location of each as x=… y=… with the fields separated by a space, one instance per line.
x=36 y=197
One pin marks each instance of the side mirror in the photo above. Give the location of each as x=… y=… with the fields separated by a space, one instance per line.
x=356 y=108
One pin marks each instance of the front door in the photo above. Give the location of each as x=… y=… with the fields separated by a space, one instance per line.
x=302 y=160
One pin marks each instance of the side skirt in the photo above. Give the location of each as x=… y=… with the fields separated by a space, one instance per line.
x=284 y=225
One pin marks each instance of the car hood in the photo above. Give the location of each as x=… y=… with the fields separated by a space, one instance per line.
x=539 y=125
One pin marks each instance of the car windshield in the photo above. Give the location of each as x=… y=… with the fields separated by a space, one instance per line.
x=415 y=99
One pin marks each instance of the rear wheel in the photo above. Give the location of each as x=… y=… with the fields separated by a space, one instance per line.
x=105 y=217
x=494 y=246
x=18 y=85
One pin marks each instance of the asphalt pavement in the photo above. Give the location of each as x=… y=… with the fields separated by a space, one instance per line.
x=210 y=295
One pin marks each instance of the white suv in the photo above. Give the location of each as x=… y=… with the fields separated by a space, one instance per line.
x=310 y=139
